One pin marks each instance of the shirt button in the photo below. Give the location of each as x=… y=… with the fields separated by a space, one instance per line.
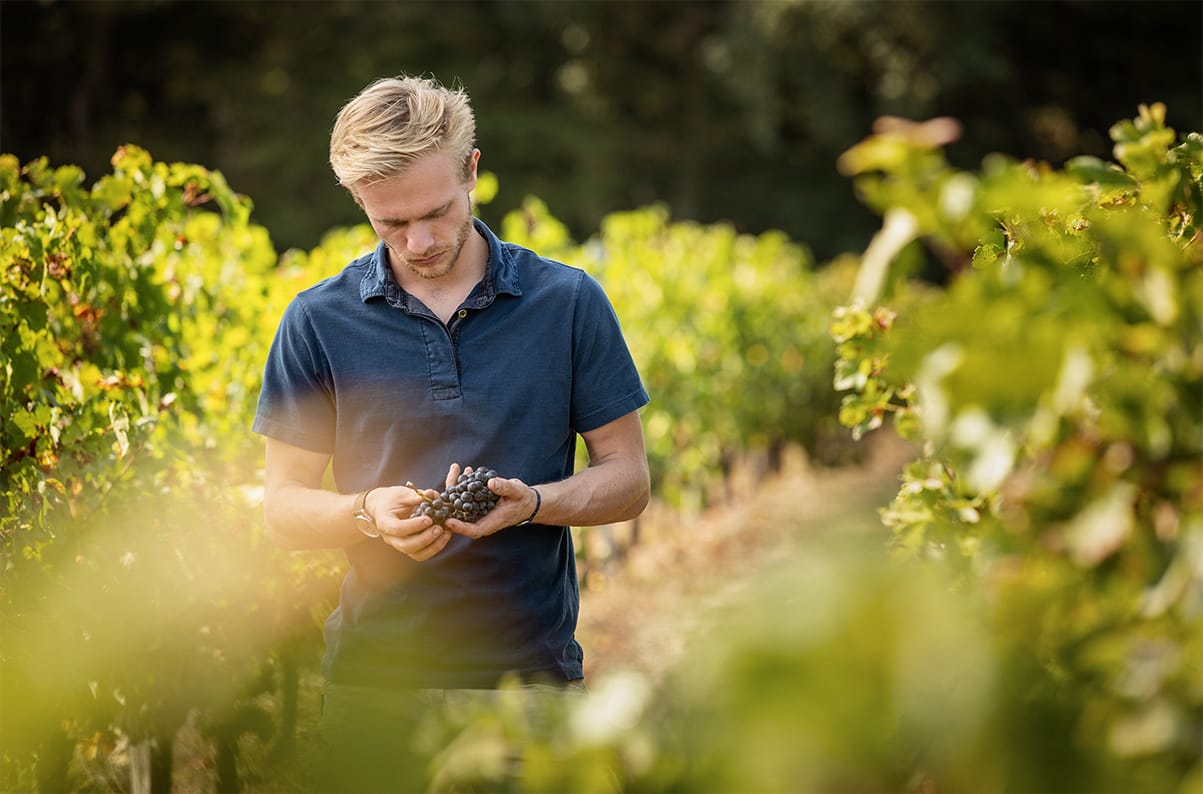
x=462 y=313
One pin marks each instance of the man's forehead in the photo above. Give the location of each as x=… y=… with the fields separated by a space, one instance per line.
x=404 y=199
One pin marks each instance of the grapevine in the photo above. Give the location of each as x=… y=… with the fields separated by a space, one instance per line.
x=1055 y=387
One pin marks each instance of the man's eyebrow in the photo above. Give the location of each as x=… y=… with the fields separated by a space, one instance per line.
x=440 y=210
x=433 y=213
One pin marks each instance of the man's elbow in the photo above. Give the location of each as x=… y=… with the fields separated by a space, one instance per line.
x=637 y=507
x=640 y=496
x=275 y=527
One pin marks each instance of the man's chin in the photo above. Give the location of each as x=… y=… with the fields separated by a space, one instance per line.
x=434 y=267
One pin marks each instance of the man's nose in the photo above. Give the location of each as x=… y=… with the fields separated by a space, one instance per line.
x=419 y=239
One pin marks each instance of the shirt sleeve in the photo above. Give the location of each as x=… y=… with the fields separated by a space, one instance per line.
x=296 y=403
x=606 y=383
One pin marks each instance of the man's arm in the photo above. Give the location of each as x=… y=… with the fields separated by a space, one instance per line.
x=614 y=487
x=301 y=514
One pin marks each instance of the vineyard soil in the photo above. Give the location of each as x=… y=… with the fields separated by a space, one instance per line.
x=638 y=612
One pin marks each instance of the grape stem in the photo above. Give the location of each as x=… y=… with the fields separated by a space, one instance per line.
x=418 y=491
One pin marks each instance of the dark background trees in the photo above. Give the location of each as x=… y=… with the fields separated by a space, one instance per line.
x=725 y=110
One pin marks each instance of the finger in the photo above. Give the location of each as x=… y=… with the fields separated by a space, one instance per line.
x=452 y=474
x=403 y=528
x=414 y=542
x=484 y=527
x=399 y=503
x=517 y=499
x=458 y=527
x=509 y=489
x=433 y=547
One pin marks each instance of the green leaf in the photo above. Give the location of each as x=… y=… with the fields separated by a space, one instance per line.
x=1107 y=175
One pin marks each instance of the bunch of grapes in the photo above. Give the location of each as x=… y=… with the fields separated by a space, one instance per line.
x=469 y=499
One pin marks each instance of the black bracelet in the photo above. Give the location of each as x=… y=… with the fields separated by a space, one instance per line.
x=535 y=512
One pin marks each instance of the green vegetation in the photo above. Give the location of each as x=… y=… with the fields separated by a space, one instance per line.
x=729 y=331
x=724 y=109
x=1039 y=627
x=1057 y=385
x=137 y=583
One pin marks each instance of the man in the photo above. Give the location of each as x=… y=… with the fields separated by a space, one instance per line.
x=444 y=349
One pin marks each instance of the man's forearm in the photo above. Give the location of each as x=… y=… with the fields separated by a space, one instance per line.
x=299 y=517
x=612 y=491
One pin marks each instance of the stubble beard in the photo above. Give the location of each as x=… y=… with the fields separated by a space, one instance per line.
x=454 y=251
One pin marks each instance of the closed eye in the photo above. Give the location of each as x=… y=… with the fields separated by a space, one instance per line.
x=395 y=223
x=440 y=212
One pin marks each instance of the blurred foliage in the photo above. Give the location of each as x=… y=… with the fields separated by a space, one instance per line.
x=1058 y=387
x=839 y=670
x=722 y=110
x=137 y=583
x=834 y=671
x=1040 y=631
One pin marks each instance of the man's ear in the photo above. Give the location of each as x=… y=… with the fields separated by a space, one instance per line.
x=470 y=170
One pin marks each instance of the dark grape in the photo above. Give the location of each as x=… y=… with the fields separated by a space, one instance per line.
x=468 y=498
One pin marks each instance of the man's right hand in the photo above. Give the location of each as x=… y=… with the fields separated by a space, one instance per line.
x=300 y=514
x=417 y=538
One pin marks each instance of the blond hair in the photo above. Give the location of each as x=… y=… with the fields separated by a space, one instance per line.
x=380 y=132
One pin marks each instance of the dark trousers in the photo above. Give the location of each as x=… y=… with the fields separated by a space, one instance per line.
x=379 y=740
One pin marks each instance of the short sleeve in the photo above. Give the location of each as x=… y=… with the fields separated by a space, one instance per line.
x=606 y=383
x=296 y=403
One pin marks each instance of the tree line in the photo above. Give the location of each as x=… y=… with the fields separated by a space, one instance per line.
x=724 y=110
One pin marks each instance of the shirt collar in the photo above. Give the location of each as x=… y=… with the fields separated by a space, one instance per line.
x=501 y=272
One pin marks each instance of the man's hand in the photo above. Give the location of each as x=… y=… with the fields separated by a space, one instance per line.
x=417 y=538
x=614 y=487
x=515 y=503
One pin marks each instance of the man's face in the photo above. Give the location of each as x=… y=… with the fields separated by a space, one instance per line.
x=424 y=216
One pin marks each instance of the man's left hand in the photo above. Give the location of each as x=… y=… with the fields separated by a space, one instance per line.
x=516 y=501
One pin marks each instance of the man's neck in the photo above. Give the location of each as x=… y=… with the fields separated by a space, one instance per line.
x=444 y=295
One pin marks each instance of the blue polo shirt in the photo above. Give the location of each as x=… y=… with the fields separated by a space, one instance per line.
x=364 y=371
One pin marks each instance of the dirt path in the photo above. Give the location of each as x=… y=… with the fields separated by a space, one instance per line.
x=641 y=616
